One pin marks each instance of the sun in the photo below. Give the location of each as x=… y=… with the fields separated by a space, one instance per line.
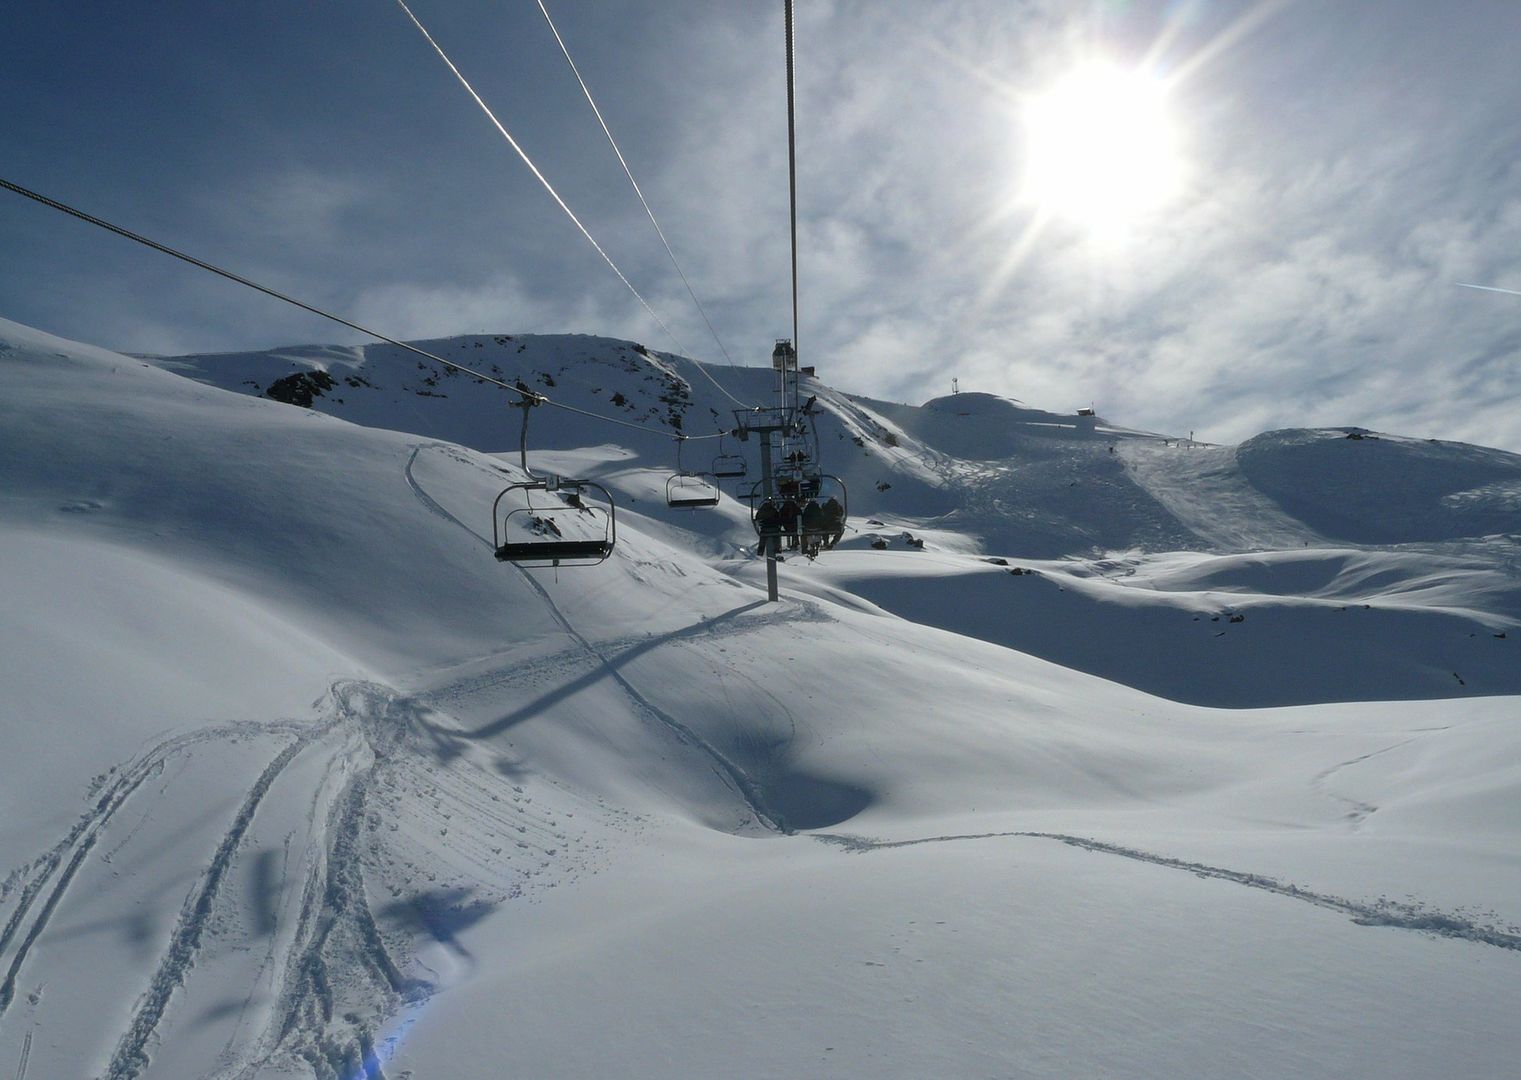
x=1101 y=150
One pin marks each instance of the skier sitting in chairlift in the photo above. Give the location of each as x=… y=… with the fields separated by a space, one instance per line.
x=789 y=514
x=813 y=527
x=833 y=515
x=768 y=522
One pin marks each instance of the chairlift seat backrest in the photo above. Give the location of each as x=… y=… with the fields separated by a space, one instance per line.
x=596 y=515
x=730 y=467
x=691 y=491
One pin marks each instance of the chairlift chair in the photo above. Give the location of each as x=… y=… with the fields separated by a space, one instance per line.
x=821 y=487
x=691 y=491
x=824 y=486
x=688 y=490
x=589 y=536
x=730 y=467
x=800 y=480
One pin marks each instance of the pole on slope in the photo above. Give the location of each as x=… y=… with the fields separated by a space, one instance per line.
x=773 y=541
x=791 y=157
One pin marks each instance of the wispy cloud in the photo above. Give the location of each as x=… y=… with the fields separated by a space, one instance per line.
x=1349 y=164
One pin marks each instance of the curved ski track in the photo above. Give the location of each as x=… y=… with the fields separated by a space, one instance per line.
x=1381 y=912
x=130 y=1057
x=65 y=858
x=736 y=777
x=337 y=982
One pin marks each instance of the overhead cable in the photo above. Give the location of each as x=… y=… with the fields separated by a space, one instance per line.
x=792 y=162
x=542 y=179
x=526 y=395
x=637 y=191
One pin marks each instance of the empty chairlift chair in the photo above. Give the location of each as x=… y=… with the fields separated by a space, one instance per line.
x=691 y=491
x=730 y=467
x=562 y=523
x=687 y=490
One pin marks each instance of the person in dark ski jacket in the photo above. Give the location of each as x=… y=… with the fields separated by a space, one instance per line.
x=790 y=512
x=768 y=522
x=833 y=515
x=813 y=527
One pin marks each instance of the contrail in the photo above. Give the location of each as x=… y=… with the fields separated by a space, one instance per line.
x=1487 y=288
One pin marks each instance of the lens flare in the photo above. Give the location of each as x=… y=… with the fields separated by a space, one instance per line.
x=1101 y=150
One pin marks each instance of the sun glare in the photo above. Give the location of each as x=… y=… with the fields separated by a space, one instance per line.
x=1101 y=150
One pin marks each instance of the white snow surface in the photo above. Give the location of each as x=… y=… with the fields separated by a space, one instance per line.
x=1155 y=760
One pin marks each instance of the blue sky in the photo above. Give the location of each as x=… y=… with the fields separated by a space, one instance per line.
x=1347 y=163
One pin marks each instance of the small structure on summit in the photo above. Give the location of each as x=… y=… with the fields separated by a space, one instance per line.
x=1087 y=421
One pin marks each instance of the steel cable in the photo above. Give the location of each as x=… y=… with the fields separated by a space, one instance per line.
x=340 y=320
x=541 y=177
x=564 y=49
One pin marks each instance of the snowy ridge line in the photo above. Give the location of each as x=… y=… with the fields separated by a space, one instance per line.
x=528 y=395
x=523 y=154
x=88 y=830
x=130 y=1057
x=1379 y=913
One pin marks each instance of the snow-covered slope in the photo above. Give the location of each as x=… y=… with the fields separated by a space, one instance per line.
x=301 y=782
x=1100 y=513
x=1005 y=477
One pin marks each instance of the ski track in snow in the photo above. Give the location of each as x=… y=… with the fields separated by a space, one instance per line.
x=1381 y=912
x=427 y=500
x=339 y=982
x=336 y=924
x=754 y=798
x=750 y=792
x=81 y=840
x=1357 y=810
x=130 y=1057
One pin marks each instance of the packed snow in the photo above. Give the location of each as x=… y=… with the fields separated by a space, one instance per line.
x=1088 y=752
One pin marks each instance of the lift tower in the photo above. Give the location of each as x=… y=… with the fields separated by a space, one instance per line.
x=779 y=429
